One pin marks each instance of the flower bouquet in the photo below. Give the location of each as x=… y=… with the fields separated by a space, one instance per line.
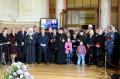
x=18 y=71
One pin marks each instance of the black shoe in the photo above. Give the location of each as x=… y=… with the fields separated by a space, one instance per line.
x=3 y=63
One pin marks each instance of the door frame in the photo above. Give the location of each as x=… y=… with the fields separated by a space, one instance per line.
x=64 y=14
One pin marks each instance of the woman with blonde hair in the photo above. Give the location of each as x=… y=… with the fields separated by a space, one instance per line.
x=90 y=56
x=13 y=47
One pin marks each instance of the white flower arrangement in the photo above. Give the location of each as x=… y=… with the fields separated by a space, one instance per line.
x=18 y=71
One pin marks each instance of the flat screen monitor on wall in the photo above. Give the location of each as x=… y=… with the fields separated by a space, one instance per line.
x=46 y=23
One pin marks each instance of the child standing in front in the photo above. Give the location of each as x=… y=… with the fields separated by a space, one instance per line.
x=81 y=52
x=68 y=50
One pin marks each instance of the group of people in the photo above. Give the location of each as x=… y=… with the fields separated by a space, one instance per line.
x=61 y=46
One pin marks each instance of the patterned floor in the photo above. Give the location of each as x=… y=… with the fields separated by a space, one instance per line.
x=53 y=71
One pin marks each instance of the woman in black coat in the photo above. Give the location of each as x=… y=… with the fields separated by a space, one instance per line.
x=4 y=40
x=90 y=56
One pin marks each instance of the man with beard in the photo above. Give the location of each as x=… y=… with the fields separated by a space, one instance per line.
x=30 y=46
x=110 y=37
x=50 y=37
x=61 y=57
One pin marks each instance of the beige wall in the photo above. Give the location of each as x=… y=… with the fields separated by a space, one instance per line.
x=8 y=9
x=33 y=10
x=23 y=10
x=17 y=13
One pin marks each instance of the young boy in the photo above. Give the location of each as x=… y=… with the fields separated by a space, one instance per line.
x=81 y=51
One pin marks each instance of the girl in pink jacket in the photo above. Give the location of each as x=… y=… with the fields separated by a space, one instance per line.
x=68 y=50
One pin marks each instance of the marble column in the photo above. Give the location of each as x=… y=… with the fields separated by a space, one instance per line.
x=105 y=14
x=60 y=5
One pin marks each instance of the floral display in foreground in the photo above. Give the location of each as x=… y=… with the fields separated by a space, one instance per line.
x=18 y=71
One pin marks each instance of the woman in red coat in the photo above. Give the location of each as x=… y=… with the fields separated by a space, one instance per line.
x=13 y=47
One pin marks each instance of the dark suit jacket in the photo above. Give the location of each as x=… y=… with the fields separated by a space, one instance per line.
x=20 y=38
x=43 y=39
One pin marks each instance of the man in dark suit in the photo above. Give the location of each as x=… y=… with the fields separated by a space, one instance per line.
x=43 y=45
x=35 y=29
x=21 y=44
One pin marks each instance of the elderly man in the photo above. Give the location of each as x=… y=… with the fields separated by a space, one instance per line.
x=110 y=37
x=30 y=46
